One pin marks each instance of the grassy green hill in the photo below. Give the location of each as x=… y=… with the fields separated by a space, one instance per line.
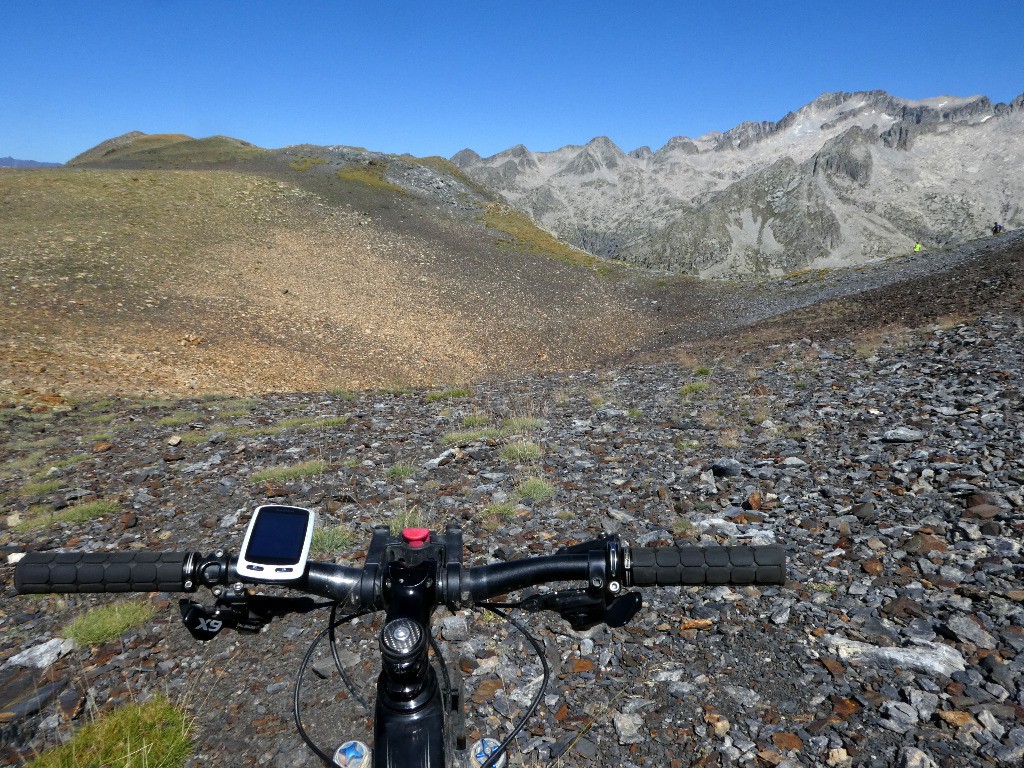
x=162 y=263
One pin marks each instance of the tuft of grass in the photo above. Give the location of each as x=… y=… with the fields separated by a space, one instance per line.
x=687 y=445
x=500 y=509
x=293 y=472
x=305 y=163
x=520 y=424
x=44 y=442
x=398 y=390
x=728 y=437
x=534 y=488
x=401 y=471
x=476 y=420
x=29 y=461
x=312 y=422
x=108 y=622
x=241 y=431
x=447 y=394
x=331 y=540
x=179 y=419
x=693 y=388
x=41 y=516
x=521 y=451
x=373 y=174
x=684 y=529
x=471 y=436
x=40 y=488
x=154 y=734
x=407 y=518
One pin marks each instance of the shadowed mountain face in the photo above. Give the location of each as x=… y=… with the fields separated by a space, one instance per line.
x=847 y=178
x=11 y=162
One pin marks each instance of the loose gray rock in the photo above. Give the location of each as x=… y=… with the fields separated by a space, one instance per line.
x=930 y=658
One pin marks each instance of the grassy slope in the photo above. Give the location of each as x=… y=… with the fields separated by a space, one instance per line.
x=271 y=277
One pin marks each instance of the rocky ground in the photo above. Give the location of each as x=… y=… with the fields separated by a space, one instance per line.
x=888 y=464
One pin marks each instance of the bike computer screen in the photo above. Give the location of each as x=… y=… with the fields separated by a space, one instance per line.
x=276 y=545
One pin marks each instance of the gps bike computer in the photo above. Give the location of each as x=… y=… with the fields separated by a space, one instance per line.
x=276 y=545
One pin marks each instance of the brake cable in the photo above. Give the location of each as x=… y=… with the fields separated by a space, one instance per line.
x=495 y=609
x=334 y=624
x=296 y=705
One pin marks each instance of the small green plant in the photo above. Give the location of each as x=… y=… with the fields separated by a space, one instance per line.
x=471 y=436
x=28 y=461
x=702 y=370
x=305 y=163
x=146 y=735
x=687 y=445
x=312 y=422
x=634 y=413
x=535 y=489
x=236 y=406
x=373 y=174
x=447 y=394
x=519 y=424
x=40 y=489
x=41 y=516
x=101 y=418
x=683 y=529
x=500 y=509
x=401 y=471
x=411 y=517
x=398 y=390
x=331 y=540
x=44 y=442
x=521 y=451
x=476 y=420
x=106 y=623
x=179 y=419
x=293 y=472
x=693 y=388
x=70 y=461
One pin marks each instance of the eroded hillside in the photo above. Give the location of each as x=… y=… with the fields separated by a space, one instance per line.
x=172 y=281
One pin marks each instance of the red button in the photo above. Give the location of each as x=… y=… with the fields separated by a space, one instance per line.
x=416 y=537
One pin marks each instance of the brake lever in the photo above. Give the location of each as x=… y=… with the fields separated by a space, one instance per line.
x=583 y=610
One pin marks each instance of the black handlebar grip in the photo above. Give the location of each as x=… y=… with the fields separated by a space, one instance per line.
x=44 y=572
x=694 y=565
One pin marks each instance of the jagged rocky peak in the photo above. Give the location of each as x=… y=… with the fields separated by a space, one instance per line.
x=466 y=158
x=679 y=144
x=518 y=152
x=603 y=145
x=833 y=182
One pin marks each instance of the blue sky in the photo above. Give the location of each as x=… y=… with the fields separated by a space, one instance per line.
x=433 y=78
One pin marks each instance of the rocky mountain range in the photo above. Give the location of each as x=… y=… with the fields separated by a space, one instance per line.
x=848 y=178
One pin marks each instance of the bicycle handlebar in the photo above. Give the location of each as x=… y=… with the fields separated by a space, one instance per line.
x=44 y=572
x=142 y=571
